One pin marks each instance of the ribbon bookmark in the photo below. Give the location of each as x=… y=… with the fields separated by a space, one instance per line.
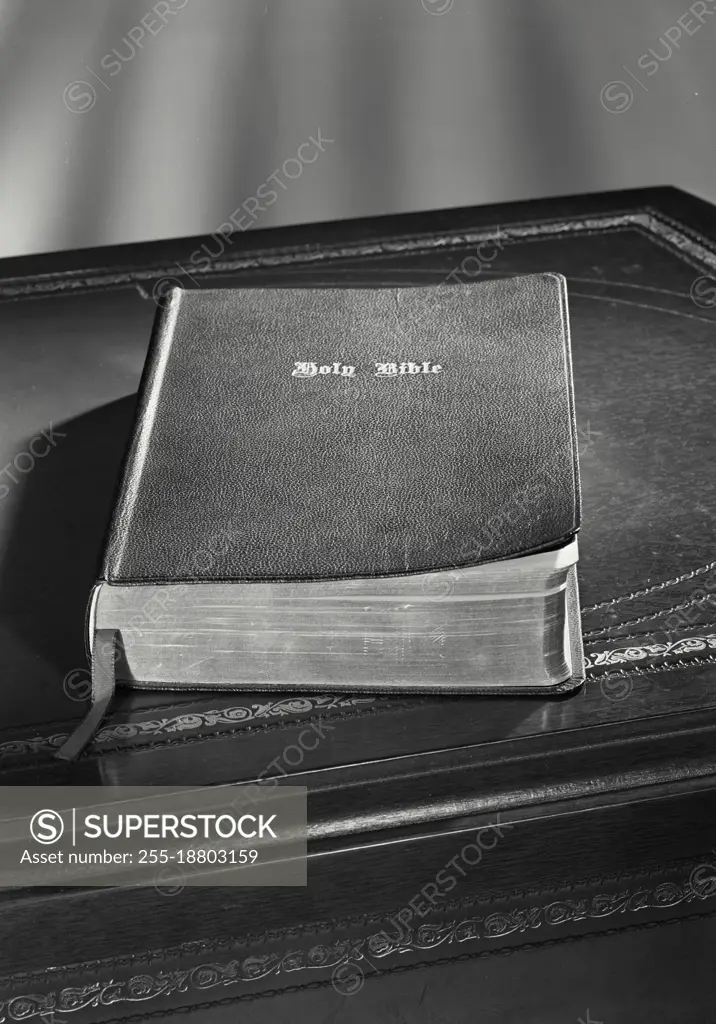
x=103 y=678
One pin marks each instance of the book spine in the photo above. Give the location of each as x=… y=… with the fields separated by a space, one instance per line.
x=148 y=398
x=566 y=333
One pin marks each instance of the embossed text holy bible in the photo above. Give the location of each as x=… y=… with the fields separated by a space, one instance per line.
x=347 y=490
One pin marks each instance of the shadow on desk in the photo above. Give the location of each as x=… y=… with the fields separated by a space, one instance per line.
x=51 y=557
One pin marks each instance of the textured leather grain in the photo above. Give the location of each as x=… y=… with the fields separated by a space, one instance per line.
x=350 y=473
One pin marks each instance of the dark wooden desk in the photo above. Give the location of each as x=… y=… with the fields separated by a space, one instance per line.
x=600 y=890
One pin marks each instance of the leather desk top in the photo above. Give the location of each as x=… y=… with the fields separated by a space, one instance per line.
x=610 y=789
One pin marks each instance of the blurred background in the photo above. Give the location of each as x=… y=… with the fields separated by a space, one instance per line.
x=124 y=120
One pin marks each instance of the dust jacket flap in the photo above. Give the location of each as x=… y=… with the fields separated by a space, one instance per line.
x=336 y=433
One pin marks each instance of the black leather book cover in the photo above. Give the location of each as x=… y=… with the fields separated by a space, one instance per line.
x=332 y=433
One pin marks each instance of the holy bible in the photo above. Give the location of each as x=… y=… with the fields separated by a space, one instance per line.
x=348 y=490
